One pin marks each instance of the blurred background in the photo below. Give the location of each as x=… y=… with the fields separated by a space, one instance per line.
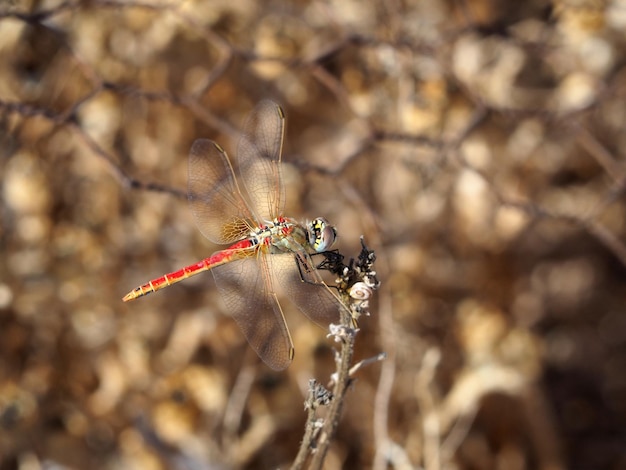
x=477 y=145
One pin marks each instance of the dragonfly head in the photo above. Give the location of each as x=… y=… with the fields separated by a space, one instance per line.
x=321 y=234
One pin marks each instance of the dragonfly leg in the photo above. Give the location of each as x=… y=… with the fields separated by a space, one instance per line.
x=305 y=269
x=333 y=261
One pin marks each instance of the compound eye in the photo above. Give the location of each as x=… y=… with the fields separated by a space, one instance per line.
x=322 y=235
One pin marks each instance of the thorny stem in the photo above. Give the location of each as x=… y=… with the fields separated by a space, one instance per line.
x=334 y=412
x=318 y=395
x=356 y=281
x=309 y=431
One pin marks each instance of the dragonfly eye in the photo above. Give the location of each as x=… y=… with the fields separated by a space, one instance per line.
x=322 y=235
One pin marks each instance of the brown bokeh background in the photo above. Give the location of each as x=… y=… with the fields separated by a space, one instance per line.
x=478 y=145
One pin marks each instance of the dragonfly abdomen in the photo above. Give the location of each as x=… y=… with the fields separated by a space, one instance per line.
x=168 y=279
x=236 y=251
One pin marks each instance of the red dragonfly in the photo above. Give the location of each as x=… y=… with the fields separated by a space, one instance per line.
x=241 y=204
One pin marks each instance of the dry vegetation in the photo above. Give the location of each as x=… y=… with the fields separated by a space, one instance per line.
x=478 y=145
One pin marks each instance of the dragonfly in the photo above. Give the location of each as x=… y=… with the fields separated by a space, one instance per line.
x=239 y=202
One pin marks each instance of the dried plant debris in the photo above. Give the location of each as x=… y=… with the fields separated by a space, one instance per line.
x=477 y=146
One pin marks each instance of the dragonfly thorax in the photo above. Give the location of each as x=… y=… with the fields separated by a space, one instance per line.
x=280 y=235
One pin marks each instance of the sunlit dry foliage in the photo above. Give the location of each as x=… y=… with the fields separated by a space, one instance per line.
x=477 y=145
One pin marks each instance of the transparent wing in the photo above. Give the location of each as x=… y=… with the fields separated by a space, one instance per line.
x=250 y=299
x=258 y=157
x=304 y=286
x=216 y=202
